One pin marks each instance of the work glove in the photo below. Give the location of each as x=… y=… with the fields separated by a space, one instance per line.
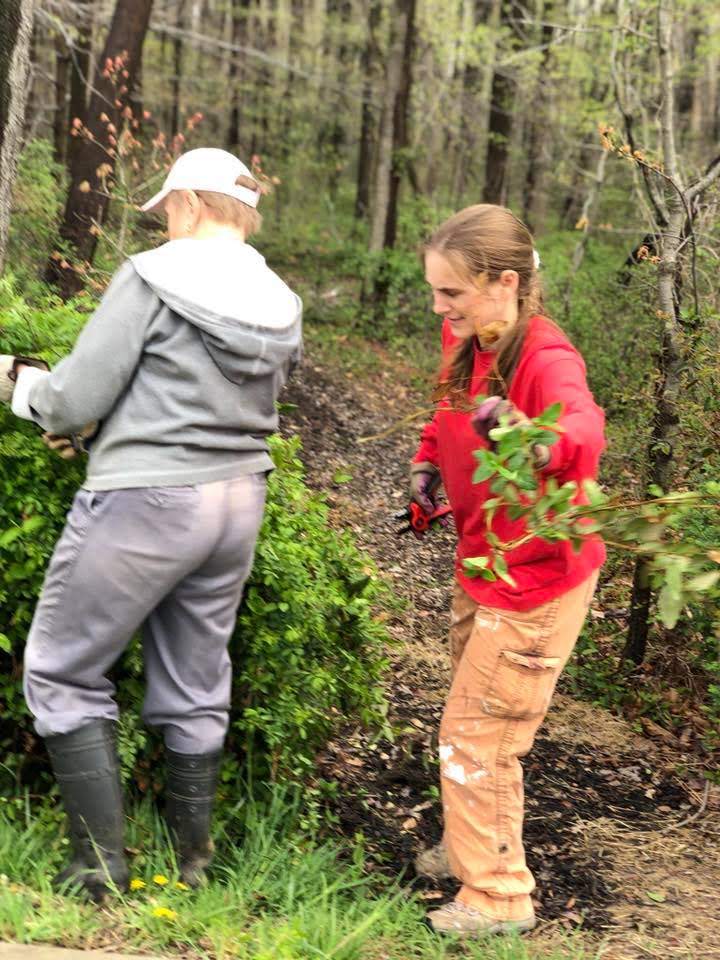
x=70 y=447
x=487 y=417
x=8 y=373
x=424 y=481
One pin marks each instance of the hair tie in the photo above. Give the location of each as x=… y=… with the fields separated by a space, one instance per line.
x=536 y=259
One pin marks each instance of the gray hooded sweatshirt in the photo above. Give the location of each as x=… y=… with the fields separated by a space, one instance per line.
x=181 y=363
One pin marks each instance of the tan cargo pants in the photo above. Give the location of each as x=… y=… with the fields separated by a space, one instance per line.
x=505 y=667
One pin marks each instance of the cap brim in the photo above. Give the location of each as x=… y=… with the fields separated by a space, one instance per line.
x=155 y=204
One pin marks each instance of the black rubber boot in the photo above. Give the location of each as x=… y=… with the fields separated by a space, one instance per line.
x=190 y=796
x=86 y=768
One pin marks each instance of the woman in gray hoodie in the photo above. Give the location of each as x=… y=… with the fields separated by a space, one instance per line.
x=180 y=366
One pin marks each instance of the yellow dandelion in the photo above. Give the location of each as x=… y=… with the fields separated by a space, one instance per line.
x=160 y=879
x=137 y=884
x=164 y=913
x=181 y=886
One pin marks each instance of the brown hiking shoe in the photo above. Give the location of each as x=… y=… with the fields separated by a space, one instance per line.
x=464 y=921
x=434 y=863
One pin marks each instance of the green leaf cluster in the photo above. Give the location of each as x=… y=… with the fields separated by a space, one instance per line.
x=680 y=567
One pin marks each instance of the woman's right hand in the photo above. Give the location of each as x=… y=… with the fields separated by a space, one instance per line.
x=70 y=447
x=424 y=481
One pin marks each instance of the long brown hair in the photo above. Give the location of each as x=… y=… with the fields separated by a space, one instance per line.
x=480 y=242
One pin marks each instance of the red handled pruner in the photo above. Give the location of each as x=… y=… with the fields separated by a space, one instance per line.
x=419 y=522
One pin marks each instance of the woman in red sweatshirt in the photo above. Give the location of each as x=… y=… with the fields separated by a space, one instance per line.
x=508 y=643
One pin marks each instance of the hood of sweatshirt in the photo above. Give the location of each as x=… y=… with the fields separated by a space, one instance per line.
x=248 y=318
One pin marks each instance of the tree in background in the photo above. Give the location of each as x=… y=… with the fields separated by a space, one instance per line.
x=393 y=139
x=676 y=204
x=368 y=122
x=502 y=111
x=93 y=159
x=16 y=21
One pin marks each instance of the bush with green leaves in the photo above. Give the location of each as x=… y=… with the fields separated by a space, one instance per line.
x=308 y=650
x=38 y=197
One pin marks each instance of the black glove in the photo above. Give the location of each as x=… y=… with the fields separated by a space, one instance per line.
x=424 y=481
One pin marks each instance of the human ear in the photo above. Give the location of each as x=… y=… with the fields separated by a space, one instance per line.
x=509 y=279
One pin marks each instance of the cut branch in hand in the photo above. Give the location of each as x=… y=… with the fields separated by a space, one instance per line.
x=678 y=567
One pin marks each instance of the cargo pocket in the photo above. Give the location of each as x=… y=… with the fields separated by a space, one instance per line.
x=521 y=686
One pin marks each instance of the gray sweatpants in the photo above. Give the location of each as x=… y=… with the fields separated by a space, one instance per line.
x=170 y=559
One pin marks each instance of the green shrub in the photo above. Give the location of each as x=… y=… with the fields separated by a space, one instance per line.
x=38 y=196
x=308 y=650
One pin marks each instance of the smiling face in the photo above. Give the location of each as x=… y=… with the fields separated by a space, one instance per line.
x=473 y=307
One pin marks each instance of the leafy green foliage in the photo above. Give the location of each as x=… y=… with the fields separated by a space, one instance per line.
x=38 y=196
x=681 y=569
x=307 y=647
x=308 y=650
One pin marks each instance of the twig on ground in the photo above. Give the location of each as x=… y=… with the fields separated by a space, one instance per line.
x=698 y=813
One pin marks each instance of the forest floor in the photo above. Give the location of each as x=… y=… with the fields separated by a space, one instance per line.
x=623 y=843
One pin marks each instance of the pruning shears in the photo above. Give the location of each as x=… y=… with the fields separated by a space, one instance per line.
x=417 y=521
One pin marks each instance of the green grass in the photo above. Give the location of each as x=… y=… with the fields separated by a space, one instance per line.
x=276 y=894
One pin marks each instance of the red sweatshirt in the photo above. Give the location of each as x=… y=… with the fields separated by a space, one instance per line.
x=550 y=369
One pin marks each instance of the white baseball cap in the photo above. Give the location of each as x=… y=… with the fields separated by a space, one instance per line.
x=206 y=168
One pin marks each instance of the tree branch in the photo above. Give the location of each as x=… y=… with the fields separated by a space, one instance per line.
x=654 y=196
x=700 y=186
x=667 y=104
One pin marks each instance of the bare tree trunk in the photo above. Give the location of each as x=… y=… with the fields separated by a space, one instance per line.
x=538 y=147
x=135 y=95
x=368 y=62
x=290 y=39
x=713 y=99
x=386 y=139
x=315 y=31
x=87 y=200
x=584 y=221
x=240 y=13
x=584 y=224
x=80 y=63
x=571 y=207
x=333 y=138
x=16 y=22
x=60 y=118
x=401 y=135
x=177 y=70
x=665 y=417
x=265 y=24
x=679 y=203
x=502 y=98
x=476 y=82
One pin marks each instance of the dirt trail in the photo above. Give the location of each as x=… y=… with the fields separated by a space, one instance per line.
x=605 y=807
